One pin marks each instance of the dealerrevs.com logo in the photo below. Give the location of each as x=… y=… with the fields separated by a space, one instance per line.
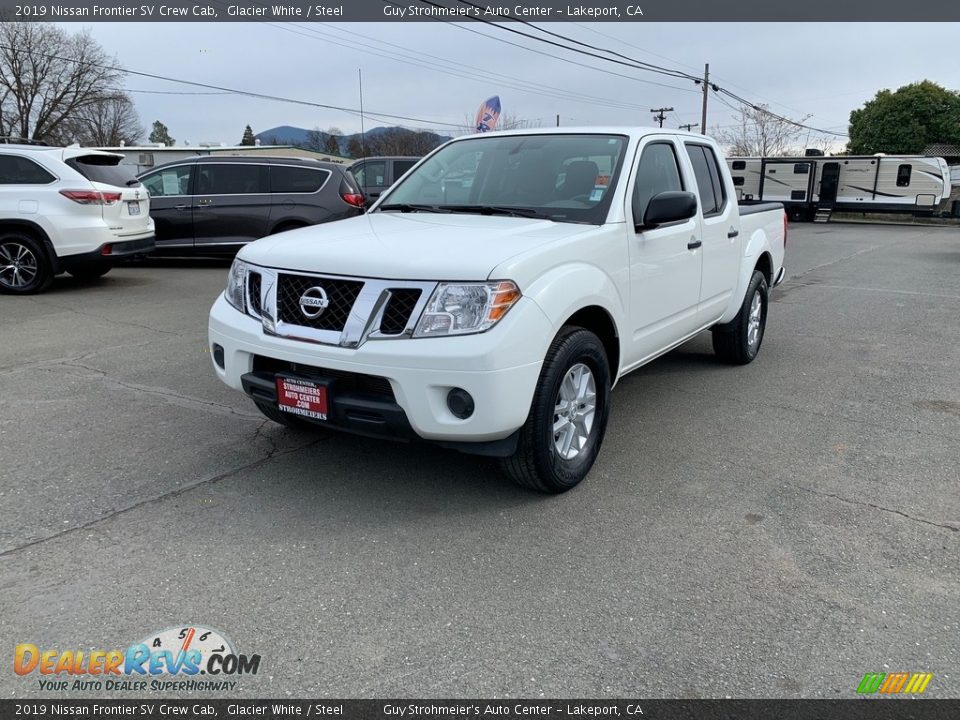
x=175 y=659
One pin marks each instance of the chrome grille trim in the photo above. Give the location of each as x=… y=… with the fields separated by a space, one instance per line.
x=363 y=322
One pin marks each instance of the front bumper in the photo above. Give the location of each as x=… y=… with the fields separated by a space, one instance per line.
x=499 y=369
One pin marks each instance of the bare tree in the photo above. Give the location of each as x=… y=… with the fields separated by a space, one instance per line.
x=111 y=122
x=48 y=78
x=316 y=141
x=332 y=143
x=757 y=132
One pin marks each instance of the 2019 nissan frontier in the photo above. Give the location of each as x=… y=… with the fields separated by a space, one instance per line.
x=491 y=299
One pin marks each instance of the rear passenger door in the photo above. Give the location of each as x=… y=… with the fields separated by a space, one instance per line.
x=231 y=204
x=171 y=205
x=719 y=232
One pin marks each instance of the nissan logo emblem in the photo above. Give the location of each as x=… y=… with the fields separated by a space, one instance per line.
x=313 y=302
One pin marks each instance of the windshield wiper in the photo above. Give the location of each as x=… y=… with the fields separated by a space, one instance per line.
x=497 y=210
x=406 y=208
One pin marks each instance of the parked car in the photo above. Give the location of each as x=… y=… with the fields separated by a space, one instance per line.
x=498 y=325
x=215 y=204
x=376 y=174
x=66 y=210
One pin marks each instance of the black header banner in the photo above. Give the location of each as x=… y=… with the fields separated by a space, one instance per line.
x=200 y=709
x=87 y=11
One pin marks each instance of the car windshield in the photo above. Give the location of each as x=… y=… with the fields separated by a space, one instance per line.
x=565 y=178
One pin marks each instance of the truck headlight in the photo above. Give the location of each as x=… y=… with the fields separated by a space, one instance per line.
x=235 y=292
x=464 y=308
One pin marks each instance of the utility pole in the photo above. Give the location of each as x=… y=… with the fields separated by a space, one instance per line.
x=661 y=117
x=706 y=94
x=689 y=126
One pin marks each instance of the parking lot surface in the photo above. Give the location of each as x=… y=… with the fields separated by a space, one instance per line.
x=773 y=530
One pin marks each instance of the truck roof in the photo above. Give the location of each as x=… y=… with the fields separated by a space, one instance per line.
x=630 y=130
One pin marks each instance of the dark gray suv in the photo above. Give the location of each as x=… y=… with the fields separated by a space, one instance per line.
x=213 y=204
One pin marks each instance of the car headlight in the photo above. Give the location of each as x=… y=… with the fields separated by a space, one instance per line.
x=463 y=308
x=235 y=292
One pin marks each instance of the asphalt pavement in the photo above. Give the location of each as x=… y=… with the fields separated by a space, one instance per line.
x=774 y=530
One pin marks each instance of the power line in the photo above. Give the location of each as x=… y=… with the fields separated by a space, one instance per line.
x=234 y=91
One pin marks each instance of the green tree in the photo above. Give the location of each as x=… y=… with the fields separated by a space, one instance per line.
x=906 y=121
x=248 y=138
x=160 y=134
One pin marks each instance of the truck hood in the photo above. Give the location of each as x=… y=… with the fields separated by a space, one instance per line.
x=411 y=246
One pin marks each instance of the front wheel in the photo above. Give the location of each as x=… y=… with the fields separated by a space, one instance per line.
x=568 y=416
x=738 y=342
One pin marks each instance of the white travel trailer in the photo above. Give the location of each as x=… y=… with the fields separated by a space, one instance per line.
x=816 y=185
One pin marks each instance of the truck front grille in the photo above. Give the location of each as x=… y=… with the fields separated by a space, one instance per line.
x=399 y=308
x=341 y=295
x=254 y=282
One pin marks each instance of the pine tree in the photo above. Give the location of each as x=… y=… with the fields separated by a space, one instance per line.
x=160 y=134
x=248 y=138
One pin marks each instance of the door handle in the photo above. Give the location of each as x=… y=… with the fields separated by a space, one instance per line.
x=694 y=244
x=181 y=207
x=204 y=205
x=733 y=233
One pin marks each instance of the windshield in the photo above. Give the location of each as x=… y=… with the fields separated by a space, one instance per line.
x=565 y=178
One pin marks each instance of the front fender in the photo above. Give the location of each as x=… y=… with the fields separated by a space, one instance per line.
x=569 y=288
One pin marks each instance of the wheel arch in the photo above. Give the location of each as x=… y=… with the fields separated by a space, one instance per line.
x=36 y=232
x=598 y=320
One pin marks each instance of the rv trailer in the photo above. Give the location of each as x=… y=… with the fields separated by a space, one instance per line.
x=813 y=186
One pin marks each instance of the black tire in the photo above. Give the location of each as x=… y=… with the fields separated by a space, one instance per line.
x=283 y=418
x=24 y=267
x=538 y=463
x=89 y=272
x=736 y=342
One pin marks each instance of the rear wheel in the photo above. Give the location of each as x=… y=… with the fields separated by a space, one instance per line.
x=738 y=342
x=24 y=268
x=568 y=416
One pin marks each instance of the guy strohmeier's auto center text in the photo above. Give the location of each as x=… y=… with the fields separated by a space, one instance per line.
x=304 y=10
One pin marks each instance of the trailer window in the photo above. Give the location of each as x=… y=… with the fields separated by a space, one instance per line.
x=739 y=164
x=903 y=175
x=801 y=169
x=738 y=179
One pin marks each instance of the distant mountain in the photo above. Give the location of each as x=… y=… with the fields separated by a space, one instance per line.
x=379 y=140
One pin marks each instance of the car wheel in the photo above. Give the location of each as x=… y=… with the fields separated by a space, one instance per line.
x=89 y=272
x=283 y=418
x=24 y=268
x=561 y=438
x=738 y=342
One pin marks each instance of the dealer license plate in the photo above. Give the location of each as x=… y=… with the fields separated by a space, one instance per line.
x=302 y=397
x=133 y=207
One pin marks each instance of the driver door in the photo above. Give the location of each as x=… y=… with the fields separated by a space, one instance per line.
x=666 y=261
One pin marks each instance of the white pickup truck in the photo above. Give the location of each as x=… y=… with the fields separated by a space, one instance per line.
x=491 y=299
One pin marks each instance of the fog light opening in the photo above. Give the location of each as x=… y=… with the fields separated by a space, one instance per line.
x=460 y=403
x=218 y=356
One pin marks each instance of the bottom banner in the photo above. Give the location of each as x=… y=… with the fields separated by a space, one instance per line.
x=859 y=709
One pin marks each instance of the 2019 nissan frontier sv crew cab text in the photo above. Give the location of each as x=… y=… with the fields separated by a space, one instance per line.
x=491 y=298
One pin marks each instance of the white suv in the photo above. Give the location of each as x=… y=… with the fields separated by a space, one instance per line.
x=67 y=209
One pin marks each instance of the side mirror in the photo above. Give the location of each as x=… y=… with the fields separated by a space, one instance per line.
x=669 y=207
